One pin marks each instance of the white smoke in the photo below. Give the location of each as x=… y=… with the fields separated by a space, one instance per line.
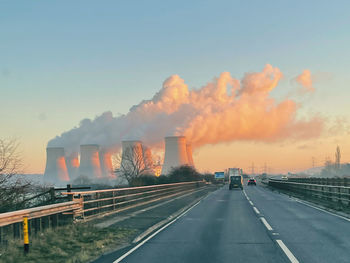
x=224 y=110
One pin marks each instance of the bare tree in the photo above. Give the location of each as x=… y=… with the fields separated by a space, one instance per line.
x=12 y=187
x=132 y=164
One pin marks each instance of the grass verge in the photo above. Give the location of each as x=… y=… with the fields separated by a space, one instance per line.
x=79 y=242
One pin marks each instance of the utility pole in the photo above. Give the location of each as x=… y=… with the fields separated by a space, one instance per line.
x=252 y=168
x=337 y=158
x=265 y=168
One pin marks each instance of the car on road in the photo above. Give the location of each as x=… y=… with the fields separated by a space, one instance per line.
x=251 y=181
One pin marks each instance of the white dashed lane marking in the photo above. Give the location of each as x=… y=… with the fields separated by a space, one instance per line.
x=256 y=210
x=267 y=225
x=284 y=248
x=287 y=251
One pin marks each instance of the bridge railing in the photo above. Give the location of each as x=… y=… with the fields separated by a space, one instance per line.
x=338 y=181
x=103 y=202
x=89 y=204
x=330 y=193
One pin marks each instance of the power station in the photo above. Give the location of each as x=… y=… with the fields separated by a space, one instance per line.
x=56 y=168
x=176 y=153
x=90 y=165
x=72 y=162
x=106 y=164
x=95 y=162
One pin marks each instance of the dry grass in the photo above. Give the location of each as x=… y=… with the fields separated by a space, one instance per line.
x=80 y=242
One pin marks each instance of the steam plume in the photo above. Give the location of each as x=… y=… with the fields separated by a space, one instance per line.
x=305 y=80
x=224 y=110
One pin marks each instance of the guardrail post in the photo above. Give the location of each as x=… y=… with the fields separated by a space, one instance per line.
x=25 y=234
x=323 y=195
x=16 y=231
x=52 y=194
x=113 y=200
x=98 y=203
x=37 y=224
x=54 y=220
x=69 y=189
x=44 y=222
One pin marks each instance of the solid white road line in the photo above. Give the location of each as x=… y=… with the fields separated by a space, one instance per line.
x=320 y=209
x=267 y=225
x=154 y=234
x=287 y=251
x=256 y=210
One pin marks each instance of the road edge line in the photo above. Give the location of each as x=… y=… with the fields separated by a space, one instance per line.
x=154 y=234
x=166 y=220
x=319 y=208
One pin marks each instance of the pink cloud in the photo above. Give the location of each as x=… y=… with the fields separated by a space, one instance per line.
x=305 y=80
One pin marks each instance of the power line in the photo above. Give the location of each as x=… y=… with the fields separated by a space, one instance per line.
x=252 y=168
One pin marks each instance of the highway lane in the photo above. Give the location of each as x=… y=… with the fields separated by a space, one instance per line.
x=310 y=234
x=222 y=228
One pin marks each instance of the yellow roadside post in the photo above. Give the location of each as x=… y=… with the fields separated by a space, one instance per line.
x=25 y=234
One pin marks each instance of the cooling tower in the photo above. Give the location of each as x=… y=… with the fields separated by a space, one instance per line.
x=106 y=164
x=72 y=162
x=189 y=154
x=175 y=153
x=132 y=155
x=90 y=161
x=56 y=169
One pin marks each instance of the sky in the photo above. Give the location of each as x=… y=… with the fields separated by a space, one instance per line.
x=64 y=61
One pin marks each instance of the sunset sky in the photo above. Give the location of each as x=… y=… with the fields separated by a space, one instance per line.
x=65 y=61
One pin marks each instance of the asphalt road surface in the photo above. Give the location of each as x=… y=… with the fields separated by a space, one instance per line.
x=254 y=225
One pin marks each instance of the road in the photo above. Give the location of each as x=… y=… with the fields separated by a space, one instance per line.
x=254 y=225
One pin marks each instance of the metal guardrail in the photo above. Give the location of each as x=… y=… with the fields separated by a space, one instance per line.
x=87 y=205
x=338 y=181
x=36 y=212
x=38 y=218
x=50 y=196
x=101 y=202
x=331 y=193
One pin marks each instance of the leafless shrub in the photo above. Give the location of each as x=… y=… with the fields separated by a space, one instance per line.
x=13 y=188
x=132 y=164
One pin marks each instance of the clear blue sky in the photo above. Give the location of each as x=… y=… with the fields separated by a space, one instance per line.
x=62 y=61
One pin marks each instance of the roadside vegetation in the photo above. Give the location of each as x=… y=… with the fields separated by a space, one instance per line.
x=13 y=188
x=80 y=242
x=179 y=174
